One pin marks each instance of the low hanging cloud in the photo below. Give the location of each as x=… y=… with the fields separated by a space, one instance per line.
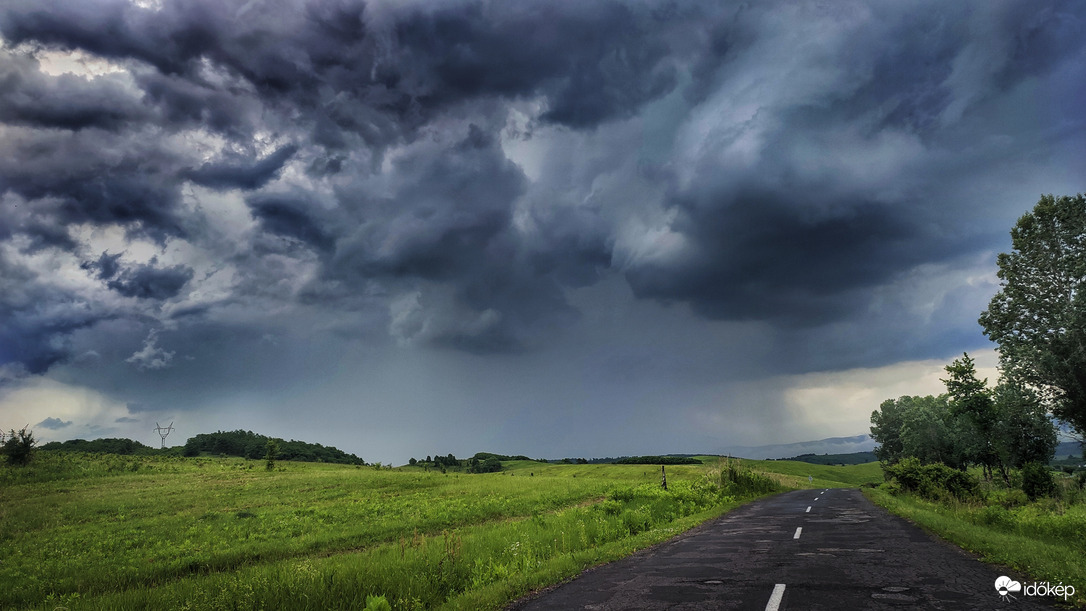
x=151 y=282
x=54 y=424
x=151 y=356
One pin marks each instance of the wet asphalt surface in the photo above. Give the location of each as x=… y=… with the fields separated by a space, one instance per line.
x=849 y=554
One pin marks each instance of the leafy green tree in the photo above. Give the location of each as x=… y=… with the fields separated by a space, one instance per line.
x=886 y=425
x=1038 y=317
x=1024 y=433
x=920 y=427
x=19 y=447
x=971 y=399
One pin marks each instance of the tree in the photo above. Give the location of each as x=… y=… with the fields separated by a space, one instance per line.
x=886 y=430
x=919 y=427
x=19 y=447
x=1038 y=317
x=971 y=400
x=1024 y=434
x=271 y=453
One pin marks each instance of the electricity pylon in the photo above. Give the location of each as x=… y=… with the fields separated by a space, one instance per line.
x=163 y=432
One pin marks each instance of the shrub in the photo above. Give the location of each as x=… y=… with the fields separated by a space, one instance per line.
x=932 y=481
x=19 y=448
x=737 y=480
x=1013 y=498
x=271 y=452
x=1037 y=481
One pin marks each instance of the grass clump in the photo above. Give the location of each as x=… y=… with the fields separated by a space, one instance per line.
x=741 y=480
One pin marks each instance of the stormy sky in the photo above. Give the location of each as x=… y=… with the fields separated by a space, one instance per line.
x=552 y=228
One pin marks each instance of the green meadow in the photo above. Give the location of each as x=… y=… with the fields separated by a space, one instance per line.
x=100 y=531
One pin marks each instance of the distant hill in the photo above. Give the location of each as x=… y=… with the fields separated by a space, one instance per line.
x=831 y=445
x=248 y=444
x=1068 y=448
x=852 y=458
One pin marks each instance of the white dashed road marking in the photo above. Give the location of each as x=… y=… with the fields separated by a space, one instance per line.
x=775 y=598
x=799 y=529
x=808 y=509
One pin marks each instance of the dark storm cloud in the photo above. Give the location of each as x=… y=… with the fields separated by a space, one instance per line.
x=98 y=178
x=28 y=97
x=448 y=222
x=759 y=258
x=593 y=62
x=37 y=320
x=150 y=282
x=290 y=218
x=449 y=213
x=241 y=173
x=804 y=155
x=105 y=267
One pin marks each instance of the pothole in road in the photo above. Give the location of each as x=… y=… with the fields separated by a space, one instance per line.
x=895 y=598
x=895 y=594
x=857 y=550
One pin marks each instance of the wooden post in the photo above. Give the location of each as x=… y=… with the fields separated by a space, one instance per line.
x=663 y=477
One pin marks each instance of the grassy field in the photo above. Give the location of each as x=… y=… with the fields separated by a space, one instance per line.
x=120 y=532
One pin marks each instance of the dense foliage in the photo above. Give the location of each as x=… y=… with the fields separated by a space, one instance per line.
x=1038 y=317
x=1037 y=481
x=109 y=445
x=932 y=480
x=247 y=444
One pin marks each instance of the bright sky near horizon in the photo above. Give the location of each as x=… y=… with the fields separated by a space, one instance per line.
x=544 y=228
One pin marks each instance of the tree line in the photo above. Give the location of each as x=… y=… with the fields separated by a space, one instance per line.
x=971 y=424
x=247 y=444
x=1038 y=320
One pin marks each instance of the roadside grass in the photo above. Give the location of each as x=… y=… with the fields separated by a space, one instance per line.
x=110 y=532
x=1045 y=540
x=793 y=474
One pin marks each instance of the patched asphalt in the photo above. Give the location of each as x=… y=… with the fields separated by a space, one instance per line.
x=850 y=554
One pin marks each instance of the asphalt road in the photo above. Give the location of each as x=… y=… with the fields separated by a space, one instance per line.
x=842 y=553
